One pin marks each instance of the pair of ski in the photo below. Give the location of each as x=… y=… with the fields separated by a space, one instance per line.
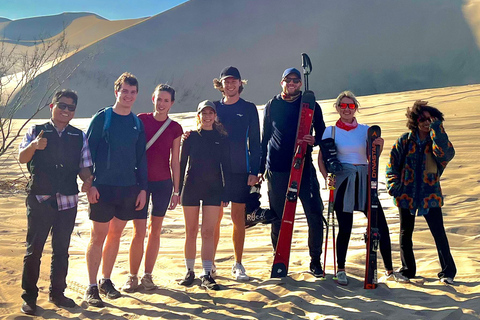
x=372 y=236
x=282 y=251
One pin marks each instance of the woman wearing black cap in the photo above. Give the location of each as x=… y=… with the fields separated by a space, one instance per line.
x=207 y=178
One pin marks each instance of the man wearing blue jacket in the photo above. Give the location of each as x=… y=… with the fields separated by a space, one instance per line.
x=117 y=143
x=240 y=119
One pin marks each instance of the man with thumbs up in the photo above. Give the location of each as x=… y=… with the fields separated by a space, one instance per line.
x=55 y=153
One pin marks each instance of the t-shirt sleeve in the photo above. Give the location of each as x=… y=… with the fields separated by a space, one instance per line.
x=177 y=129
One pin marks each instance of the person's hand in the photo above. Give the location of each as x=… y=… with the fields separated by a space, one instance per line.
x=174 y=201
x=87 y=184
x=225 y=203
x=378 y=142
x=39 y=143
x=309 y=139
x=93 y=195
x=261 y=178
x=185 y=135
x=252 y=180
x=141 y=199
x=331 y=180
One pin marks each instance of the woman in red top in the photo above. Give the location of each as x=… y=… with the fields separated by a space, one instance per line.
x=163 y=166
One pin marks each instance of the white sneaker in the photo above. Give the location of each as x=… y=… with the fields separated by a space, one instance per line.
x=213 y=273
x=131 y=285
x=238 y=271
x=342 y=278
x=396 y=276
x=147 y=282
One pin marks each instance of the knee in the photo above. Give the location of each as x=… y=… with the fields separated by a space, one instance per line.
x=208 y=233
x=191 y=231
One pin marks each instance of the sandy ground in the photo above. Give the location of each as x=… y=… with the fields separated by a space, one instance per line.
x=299 y=295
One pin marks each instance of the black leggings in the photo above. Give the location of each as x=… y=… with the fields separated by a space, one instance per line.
x=345 y=223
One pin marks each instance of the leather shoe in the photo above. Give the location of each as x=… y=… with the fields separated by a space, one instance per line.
x=29 y=307
x=60 y=300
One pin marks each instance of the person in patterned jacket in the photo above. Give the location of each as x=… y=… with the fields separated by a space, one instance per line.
x=417 y=161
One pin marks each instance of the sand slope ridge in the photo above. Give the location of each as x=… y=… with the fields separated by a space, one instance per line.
x=299 y=296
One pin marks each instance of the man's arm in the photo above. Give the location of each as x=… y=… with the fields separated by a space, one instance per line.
x=318 y=124
x=266 y=135
x=254 y=141
x=31 y=144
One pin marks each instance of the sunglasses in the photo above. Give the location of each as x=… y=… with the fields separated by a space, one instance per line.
x=423 y=119
x=295 y=80
x=347 y=105
x=63 y=106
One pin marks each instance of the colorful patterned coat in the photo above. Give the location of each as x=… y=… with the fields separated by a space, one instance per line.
x=414 y=169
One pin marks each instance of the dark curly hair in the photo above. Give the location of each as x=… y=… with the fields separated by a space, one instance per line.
x=415 y=112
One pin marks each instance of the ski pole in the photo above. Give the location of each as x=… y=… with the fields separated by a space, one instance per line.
x=307 y=68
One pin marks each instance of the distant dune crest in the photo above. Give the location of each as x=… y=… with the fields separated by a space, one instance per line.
x=366 y=46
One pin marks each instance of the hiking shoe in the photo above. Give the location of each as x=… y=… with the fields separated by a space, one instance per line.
x=446 y=280
x=208 y=282
x=29 y=307
x=92 y=297
x=342 y=278
x=147 y=282
x=238 y=271
x=60 y=300
x=188 y=280
x=106 y=287
x=396 y=276
x=131 y=285
x=316 y=269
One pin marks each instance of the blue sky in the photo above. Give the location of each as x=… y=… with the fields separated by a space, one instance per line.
x=109 y=9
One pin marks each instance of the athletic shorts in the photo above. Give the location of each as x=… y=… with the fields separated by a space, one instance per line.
x=114 y=201
x=209 y=193
x=239 y=189
x=158 y=194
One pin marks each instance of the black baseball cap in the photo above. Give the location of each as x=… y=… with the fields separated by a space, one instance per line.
x=228 y=72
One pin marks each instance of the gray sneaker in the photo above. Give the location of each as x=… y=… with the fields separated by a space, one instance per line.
x=131 y=285
x=396 y=276
x=446 y=280
x=147 y=282
x=342 y=278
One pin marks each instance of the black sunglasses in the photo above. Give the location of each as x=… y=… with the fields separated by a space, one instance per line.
x=63 y=106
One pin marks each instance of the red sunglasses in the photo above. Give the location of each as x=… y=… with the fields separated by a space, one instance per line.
x=349 y=105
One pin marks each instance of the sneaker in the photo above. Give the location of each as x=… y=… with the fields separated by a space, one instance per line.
x=92 y=297
x=131 y=285
x=208 y=282
x=446 y=280
x=188 y=280
x=29 y=307
x=342 y=278
x=106 y=287
x=238 y=271
x=60 y=300
x=147 y=282
x=396 y=276
x=316 y=269
x=213 y=273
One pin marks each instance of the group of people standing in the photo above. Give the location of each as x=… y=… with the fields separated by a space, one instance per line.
x=131 y=163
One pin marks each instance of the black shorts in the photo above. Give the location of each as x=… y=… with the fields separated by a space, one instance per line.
x=239 y=189
x=159 y=194
x=209 y=193
x=114 y=201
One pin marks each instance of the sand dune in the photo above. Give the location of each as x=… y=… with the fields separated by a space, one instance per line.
x=300 y=296
x=369 y=47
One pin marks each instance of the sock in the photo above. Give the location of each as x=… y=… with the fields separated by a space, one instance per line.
x=190 y=264
x=207 y=266
x=91 y=285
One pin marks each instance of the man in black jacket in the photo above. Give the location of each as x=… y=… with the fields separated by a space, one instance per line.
x=55 y=153
x=278 y=142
